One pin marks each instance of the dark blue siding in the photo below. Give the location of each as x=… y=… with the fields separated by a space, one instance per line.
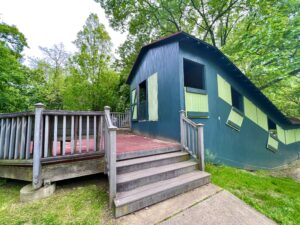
x=245 y=148
x=165 y=62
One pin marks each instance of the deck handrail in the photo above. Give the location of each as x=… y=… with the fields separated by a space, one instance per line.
x=44 y=135
x=191 y=138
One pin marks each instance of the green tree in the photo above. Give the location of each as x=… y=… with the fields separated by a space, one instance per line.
x=53 y=69
x=265 y=45
x=92 y=83
x=12 y=72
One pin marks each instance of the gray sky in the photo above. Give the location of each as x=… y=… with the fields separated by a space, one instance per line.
x=49 y=22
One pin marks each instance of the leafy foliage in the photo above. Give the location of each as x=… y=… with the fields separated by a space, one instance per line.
x=92 y=84
x=12 y=73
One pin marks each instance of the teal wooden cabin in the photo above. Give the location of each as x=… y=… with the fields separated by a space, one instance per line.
x=241 y=126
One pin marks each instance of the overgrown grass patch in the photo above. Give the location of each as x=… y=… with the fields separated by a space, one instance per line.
x=87 y=204
x=276 y=197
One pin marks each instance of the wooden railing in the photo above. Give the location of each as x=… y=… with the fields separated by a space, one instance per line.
x=16 y=136
x=120 y=119
x=50 y=135
x=191 y=135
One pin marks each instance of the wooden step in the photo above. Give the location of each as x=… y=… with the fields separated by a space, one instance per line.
x=131 y=201
x=131 y=165
x=129 y=181
x=148 y=152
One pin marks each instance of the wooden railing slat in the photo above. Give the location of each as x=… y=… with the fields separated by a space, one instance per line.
x=95 y=133
x=12 y=138
x=28 y=137
x=100 y=137
x=18 y=136
x=46 y=137
x=55 y=136
x=87 y=134
x=64 y=136
x=7 y=138
x=23 y=138
x=2 y=138
x=80 y=134
x=72 y=135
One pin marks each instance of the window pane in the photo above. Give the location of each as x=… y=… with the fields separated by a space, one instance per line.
x=142 y=113
x=193 y=74
x=237 y=100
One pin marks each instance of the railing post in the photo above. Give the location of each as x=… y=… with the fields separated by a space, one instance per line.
x=36 y=171
x=200 y=146
x=112 y=145
x=128 y=115
x=182 y=134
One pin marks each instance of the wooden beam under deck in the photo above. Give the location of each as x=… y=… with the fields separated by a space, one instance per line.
x=55 y=168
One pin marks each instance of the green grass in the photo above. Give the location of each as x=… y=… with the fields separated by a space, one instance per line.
x=86 y=202
x=78 y=205
x=276 y=197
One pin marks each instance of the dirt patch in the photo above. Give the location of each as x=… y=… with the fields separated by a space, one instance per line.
x=291 y=170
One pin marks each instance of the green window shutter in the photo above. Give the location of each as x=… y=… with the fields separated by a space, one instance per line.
x=272 y=143
x=250 y=110
x=196 y=102
x=153 y=98
x=297 y=135
x=224 y=90
x=235 y=119
x=280 y=134
x=290 y=136
x=262 y=119
x=134 y=104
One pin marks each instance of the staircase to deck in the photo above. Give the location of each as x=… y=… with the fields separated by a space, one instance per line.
x=144 y=181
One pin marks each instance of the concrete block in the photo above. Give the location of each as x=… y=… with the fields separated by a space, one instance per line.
x=28 y=194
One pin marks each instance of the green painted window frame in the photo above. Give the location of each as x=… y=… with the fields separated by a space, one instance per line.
x=152 y=90
x=196 y=90
x=224 y=90
x=273 y=143
x=233 y=124
x=134 y=105
x=197 y=115
x=191 y=110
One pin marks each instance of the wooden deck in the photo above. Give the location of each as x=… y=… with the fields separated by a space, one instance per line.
x=126 y=143
x=87 y=162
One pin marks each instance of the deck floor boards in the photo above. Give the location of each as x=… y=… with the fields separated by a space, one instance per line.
x=126 y=143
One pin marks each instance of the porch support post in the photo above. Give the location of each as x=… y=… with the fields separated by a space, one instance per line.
x=200 y=146
x=182 y=132
x=36 y=171
x=112 y=156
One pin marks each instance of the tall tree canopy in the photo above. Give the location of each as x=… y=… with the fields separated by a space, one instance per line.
x=12 y=72
x=92 y=83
